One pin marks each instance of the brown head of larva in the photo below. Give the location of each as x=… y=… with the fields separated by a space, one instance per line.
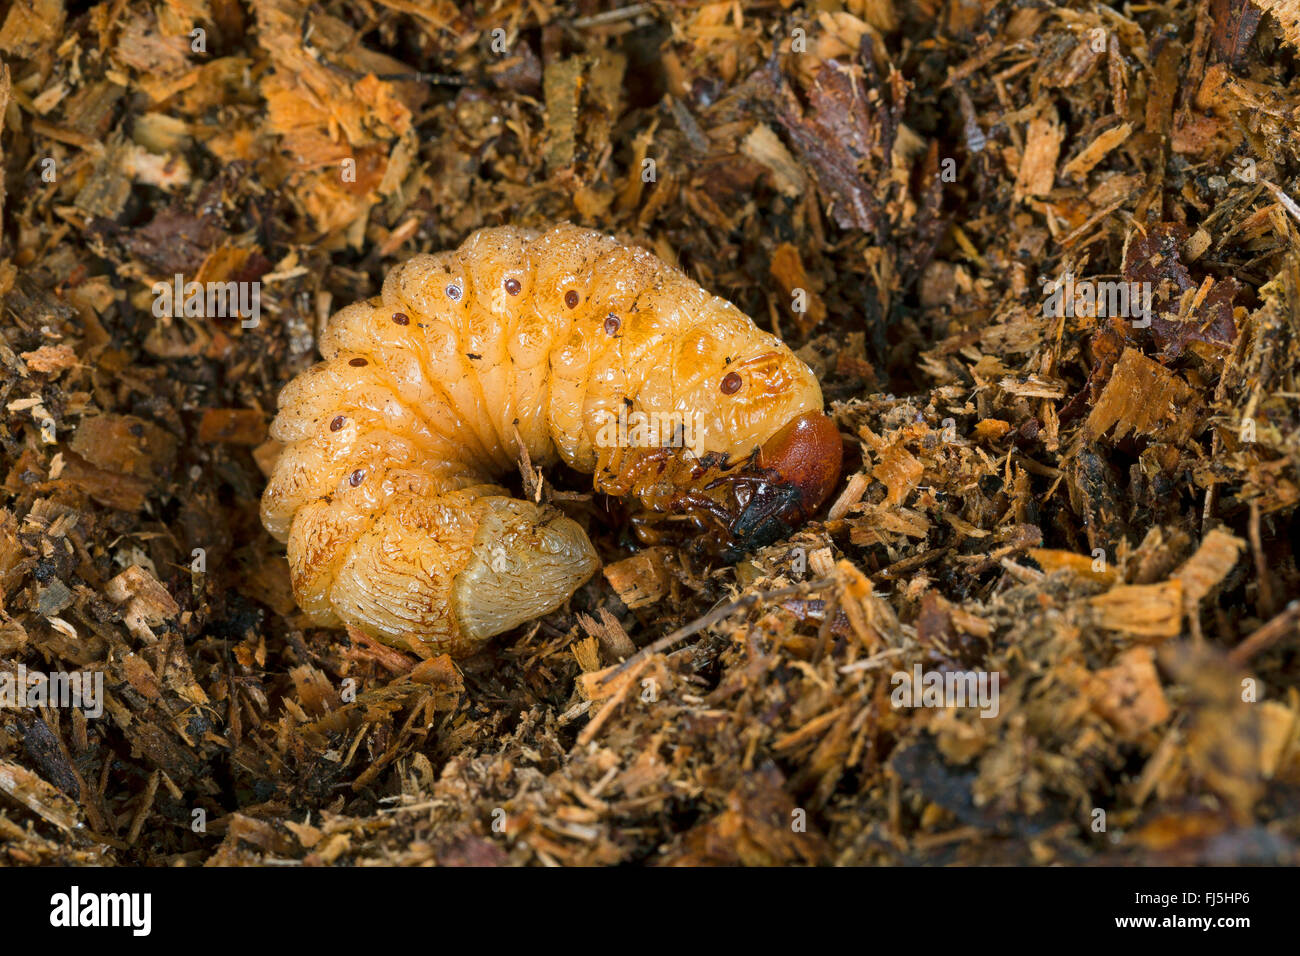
x=798 y=468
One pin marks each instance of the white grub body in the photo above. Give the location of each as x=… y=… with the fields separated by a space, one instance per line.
x=384 y=493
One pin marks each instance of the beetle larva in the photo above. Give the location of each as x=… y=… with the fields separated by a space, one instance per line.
x=384 y=491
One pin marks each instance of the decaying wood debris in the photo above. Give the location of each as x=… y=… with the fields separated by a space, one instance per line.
x=1045 y=259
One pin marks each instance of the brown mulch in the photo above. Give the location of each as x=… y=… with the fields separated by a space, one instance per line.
x=1101 y=512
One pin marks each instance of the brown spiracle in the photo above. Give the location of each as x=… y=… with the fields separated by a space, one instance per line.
x=585 y=350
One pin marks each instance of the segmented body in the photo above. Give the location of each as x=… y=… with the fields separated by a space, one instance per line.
x=385 y=491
